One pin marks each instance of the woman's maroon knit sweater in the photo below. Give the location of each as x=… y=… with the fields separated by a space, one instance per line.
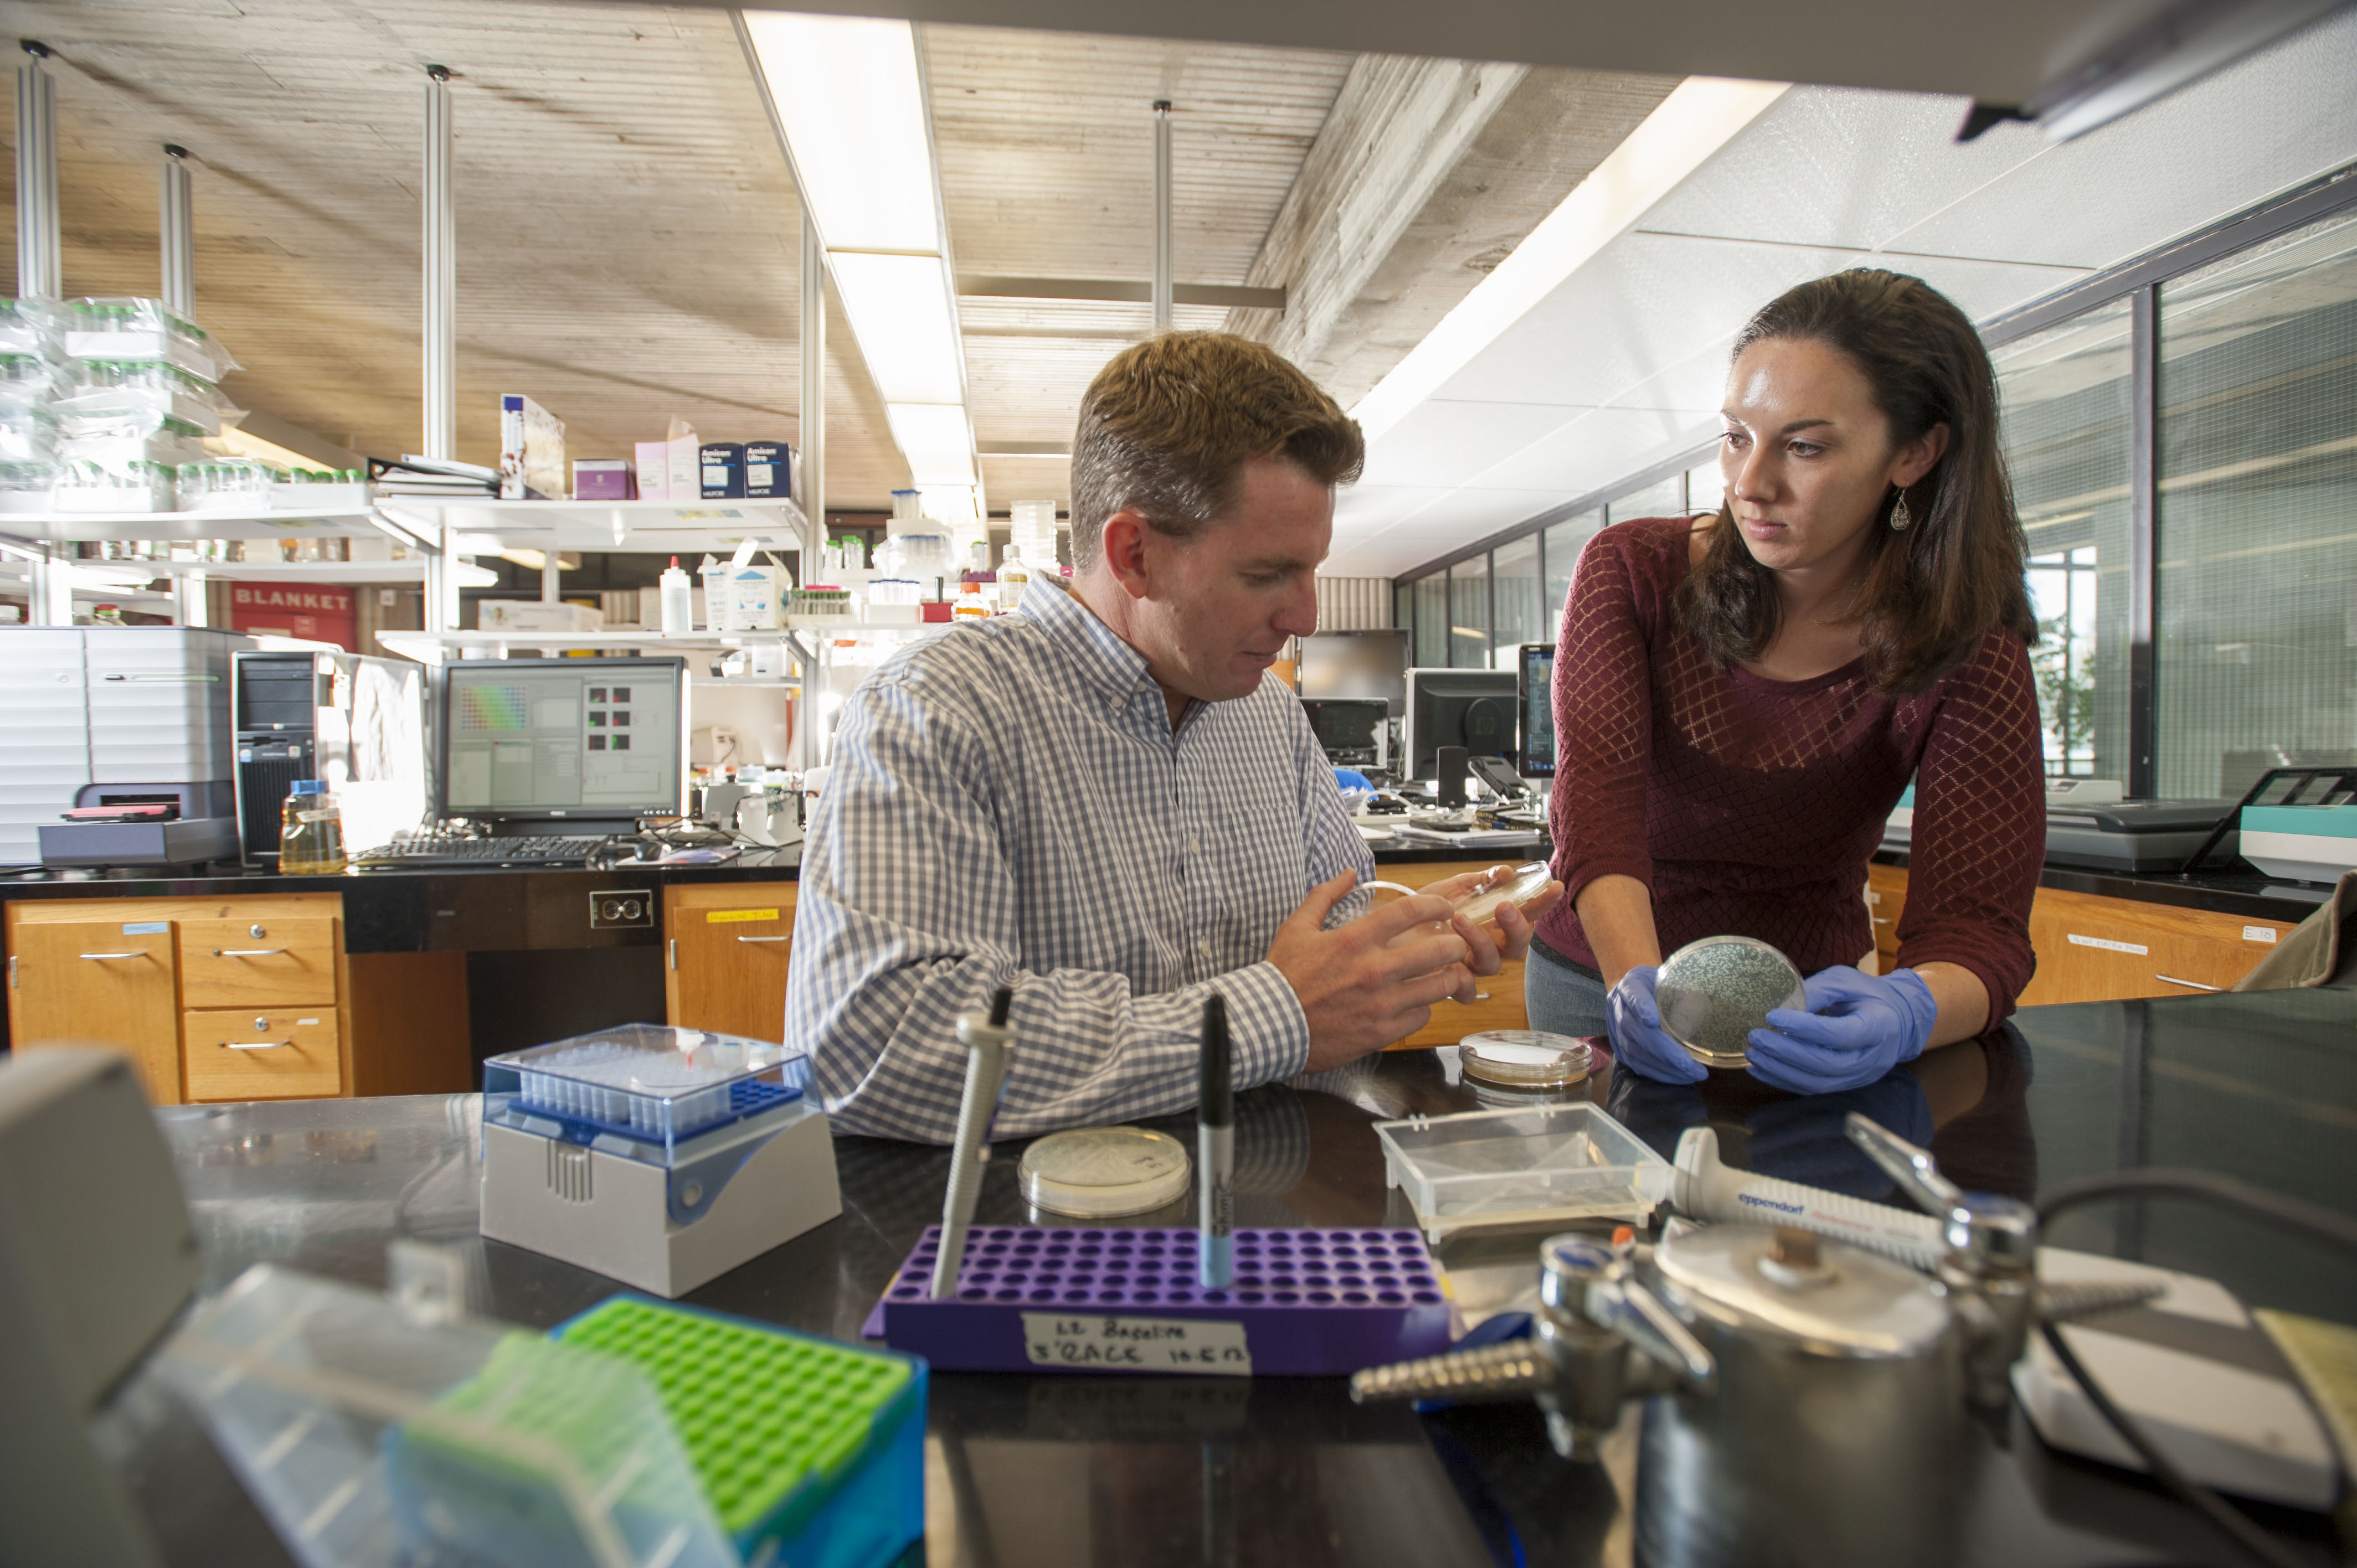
x=1750 y=805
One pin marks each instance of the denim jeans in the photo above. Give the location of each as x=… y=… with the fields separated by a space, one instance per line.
x=1561 y=999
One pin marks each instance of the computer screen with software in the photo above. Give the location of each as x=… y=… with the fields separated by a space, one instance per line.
x=1356 y=665
x=564 y=740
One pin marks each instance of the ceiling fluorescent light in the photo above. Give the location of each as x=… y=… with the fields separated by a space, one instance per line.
x=1702 y=115
x=937 y=440
x=899 y=311
x=852 y=103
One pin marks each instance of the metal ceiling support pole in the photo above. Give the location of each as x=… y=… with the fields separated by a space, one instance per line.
x=50 y=602
x=39 y=267
x=180 y=230
x=1162 y=240
x=439 y=439
x=550 y=567
x=189 y=599
x=811 y=471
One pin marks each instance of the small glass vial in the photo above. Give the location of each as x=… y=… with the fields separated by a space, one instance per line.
x=970 y=603
x=311 y=834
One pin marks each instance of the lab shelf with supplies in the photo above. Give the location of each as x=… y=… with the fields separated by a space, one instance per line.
x=1159 y=1473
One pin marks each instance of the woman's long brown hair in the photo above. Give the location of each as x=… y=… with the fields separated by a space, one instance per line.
x=1934 y=591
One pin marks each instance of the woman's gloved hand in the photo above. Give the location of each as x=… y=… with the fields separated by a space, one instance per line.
x=1858 y=1026
x=1639 y=1041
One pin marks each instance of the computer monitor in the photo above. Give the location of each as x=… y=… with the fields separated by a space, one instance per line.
x=1534 y=675
x=1351 y=730
x=572 y=744
x=1471 y=708
x=1360 y=665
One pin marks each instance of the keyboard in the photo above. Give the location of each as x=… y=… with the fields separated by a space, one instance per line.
x=421 y=853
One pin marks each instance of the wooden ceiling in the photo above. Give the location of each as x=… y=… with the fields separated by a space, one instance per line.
x=630 y=238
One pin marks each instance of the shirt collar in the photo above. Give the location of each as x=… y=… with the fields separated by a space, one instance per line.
x=1109 y=667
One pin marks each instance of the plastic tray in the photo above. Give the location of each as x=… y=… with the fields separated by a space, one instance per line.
x=646 y=1082
x=1304 y=1303
x=811 y=1452
x=1527 y=1166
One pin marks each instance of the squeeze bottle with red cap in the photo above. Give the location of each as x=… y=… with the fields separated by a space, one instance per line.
x=678 y=603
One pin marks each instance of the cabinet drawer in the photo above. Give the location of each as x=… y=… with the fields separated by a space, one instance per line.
x=106 y=983
x=265 y=963
x=237 y=1053
x=2093 y=949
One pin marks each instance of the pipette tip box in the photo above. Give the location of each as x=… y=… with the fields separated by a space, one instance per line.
x=1320 y=1303
x=811 y=1452
x=659 y=1156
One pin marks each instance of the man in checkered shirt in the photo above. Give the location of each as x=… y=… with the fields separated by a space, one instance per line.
x=1100 y=801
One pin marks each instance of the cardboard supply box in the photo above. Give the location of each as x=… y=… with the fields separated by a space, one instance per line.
x=769 y=470
x=686 y=471
x=722 y=470
x=601 y=479
x=654 y=470
x=532 y=451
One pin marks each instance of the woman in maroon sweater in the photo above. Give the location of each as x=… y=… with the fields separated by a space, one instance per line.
x=1740 y=699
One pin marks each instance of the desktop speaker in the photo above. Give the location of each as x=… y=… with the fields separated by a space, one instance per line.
x=1453 y=762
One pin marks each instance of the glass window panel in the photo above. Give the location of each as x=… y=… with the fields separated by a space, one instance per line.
x=1403 y=605
x=1514 y=598
x=1706 y=487
x=1431 y=620
x=1565 y=541
x=2256 y=538
x=1468 y=614
x=1664 y=498
x=2065 y=395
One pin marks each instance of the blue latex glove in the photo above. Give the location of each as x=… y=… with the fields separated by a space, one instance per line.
x=1858 y=1026
x=1639 y=1041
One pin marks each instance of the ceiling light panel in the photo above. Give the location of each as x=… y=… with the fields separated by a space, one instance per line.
x=900 y=310
x=849 y=95
x=937 y=439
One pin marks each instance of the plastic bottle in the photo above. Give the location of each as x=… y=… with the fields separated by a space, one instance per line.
x=311 y=831
x=1014 y=576
x=678 y=602
x=969 y=602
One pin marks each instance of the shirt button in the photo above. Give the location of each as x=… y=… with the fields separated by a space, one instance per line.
x=1194 y=846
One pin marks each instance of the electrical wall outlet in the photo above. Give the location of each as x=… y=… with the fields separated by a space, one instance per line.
x=622 y=910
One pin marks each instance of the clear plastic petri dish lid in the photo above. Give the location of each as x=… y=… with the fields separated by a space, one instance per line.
x=1525 y=1059
x=1713 y=992
x=1519 y=885
x=1104 y=1173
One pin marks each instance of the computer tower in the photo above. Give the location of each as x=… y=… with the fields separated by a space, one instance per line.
x=277 y=704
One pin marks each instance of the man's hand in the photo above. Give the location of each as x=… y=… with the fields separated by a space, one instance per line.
x=1359 y=992
x=1490 y=947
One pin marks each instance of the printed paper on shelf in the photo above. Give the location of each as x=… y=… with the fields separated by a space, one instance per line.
x=532 y=451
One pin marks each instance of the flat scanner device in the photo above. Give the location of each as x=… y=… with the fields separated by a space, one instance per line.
x=661 y=1157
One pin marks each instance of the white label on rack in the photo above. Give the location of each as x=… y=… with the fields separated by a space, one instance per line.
x=2259 y=934
x=2106 y=944
x=1106 y=1344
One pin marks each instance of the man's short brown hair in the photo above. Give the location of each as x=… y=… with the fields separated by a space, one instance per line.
x=1165 y=430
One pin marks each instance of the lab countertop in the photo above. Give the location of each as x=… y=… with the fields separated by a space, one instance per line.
x=1143 y=1472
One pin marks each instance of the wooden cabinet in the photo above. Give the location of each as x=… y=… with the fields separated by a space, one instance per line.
x=236 y=998
x=2093 y=949
x=725 y=948
x=1499 y=1004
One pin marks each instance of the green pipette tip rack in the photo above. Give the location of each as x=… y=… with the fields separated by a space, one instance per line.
x=760 y=1412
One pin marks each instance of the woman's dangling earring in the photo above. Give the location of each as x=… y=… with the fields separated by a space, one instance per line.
x=1900 y=517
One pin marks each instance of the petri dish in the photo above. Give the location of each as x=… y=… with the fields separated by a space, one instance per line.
x=1518 y=886
x=1527 y=1059
x=1713 y=992
x=1102 y=1173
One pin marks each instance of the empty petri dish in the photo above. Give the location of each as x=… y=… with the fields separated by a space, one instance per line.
x=1713 y=992
x=1518 y=886
x=1099 y=1172
x=1525 y=1059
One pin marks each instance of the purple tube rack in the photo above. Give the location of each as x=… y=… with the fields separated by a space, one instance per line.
x=1304 y=1303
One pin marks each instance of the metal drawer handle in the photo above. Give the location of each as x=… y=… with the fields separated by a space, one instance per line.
x=246 y=952
x=255 y=1044
x=765 y=939
x=1883 y=919
x=104 y=955
x=2191 y=984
